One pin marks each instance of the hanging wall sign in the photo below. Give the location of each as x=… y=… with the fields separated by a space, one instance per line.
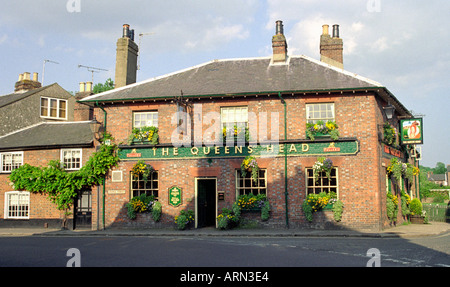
x=411 y=131
x=175 y=196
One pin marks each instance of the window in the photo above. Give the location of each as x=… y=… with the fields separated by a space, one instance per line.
x=71 y=158
x=145 y=119
x=320 y=112
x=17 y=205
x=323 y=184
x=10 y=161
x=246 y=185
x=150 y=187
x=234 y=116
x=53 y=108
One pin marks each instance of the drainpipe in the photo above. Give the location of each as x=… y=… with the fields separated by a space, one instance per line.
x=285 y=160
x=104 y=179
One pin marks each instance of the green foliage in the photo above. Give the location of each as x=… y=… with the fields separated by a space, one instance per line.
x=338 y=209
x=63 y=187
x=390 y=135
x=184 y=219
x=406 y=201
x=307 y=210
x=391 y=206
x=100 y=88
x=156 y=211
x=265 y=211
x=144 y=134
x=416 y=207
x=320 y=128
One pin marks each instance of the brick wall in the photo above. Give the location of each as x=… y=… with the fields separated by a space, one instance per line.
x=361 y=177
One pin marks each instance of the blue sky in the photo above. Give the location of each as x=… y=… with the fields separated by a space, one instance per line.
x=402 y=44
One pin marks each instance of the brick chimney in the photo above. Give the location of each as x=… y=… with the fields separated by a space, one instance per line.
x=126 y=58
x=25 y=83
x=332 y=48
x=279 y=44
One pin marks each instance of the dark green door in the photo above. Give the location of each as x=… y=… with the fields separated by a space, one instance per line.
x=206 y=202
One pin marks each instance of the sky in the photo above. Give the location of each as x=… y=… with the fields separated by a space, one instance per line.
x=402 y=44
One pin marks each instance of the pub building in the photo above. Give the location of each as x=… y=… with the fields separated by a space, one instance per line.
x=201 y=123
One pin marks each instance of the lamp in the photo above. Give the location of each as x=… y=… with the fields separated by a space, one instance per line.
x=389 y=110
x=94 y=126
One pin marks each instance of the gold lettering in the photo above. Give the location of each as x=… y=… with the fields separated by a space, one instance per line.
x=206 y=150
x=165 y=151
x=293 y=148
x=194 y=150
x=305 y=147
x=227 y=150
x=250 y=149
x=217 y=149
x=281 y=148
x=238 y=149
x=154 y=151
x=175 y=151
x=270 y=148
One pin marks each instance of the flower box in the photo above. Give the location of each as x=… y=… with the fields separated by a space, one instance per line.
x=416 y=219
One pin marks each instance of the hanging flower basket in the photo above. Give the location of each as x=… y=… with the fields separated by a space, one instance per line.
x=322 y=165
x=249 y=164
x=141 y=168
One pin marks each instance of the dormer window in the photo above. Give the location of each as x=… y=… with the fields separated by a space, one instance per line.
x=53 y=108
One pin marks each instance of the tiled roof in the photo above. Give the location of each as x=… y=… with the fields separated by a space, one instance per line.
x=47 y=135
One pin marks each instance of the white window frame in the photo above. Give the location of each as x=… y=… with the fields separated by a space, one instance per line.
x=58 y=101
x=252 y=183
x=25 y=203
x=229 y=116
x=315 y=112
x=149 y=122
x=329 y=186
x=13 y=165
x=63 y=151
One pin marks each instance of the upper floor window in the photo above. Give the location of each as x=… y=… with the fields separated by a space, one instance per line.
x=10 y=161
x=145 y=119
x=234 y=116
x=320 y=112
x=71 y=158
x=53 y=108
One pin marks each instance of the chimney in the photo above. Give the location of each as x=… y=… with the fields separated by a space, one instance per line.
x=82 y=87
x=25 y=84
x=279 y=44
x=332 y=48
x=126 y=58
x=88 y=87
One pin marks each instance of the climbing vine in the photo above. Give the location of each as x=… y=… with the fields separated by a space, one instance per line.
x=60 y=186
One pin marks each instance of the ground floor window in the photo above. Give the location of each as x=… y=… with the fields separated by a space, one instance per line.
x=17 y=205
x=148 y=186
x=246 y=185
x=323 y=183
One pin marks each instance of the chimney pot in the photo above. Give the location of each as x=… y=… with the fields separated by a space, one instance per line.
x=325 y=29
x=35 y=77
x=126 y=31
x=88 y=86
x=335 y=31
x=26 y=76
x=280 y=28
x=20 y=77
x=82 y=87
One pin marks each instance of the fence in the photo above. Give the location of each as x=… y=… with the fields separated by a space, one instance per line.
x=437 y=212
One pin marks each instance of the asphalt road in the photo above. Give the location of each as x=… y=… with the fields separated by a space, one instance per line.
x=432 y=251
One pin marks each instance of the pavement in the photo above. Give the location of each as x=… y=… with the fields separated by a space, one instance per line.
x=401 y=231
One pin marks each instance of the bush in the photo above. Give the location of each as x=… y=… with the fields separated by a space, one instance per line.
x=338 y=209
x=416 y=207
x=156 y=211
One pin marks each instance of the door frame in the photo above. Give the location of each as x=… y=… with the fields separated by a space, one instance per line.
x=196 y=197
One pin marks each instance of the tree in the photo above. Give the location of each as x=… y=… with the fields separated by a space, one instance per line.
x=100 y=88
x=440 y=168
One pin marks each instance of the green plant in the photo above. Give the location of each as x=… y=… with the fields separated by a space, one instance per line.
x=249 y=163
x=141 y=168
x=406 y=201
x=184 y=219
x=391 y=206
x=389 y=134
x=416 y=207
x=227 y=218
x=322 y=165
x=329 y=128
x=307 y=210
x=144 y=134
x=236 y=132
x=63 y=187
x=251 y=201
x=338 y=209
x=156 y=211
x=265 y=211
x=316 y=202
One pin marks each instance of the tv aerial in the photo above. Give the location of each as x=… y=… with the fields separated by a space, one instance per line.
x=92 y=70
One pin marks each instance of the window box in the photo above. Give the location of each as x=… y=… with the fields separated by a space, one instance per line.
x=322 y=129
x=144 y=136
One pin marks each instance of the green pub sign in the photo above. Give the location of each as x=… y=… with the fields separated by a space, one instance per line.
x=175 y=196
x=411 y=131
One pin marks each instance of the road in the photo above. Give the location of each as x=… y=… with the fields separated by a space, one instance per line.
x=122 y=251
